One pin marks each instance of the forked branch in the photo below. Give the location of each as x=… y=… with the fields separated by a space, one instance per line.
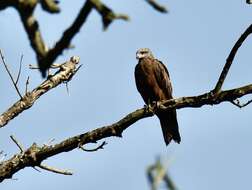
x=64 y=74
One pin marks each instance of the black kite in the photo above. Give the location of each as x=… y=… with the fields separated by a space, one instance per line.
x=153 y=83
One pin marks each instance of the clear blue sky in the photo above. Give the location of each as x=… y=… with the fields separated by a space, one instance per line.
x=193 y=40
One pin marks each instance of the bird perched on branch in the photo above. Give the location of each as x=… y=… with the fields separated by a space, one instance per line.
x=153 y=83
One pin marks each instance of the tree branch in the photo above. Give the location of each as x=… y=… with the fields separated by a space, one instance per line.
x=34 y=155
x=31 y=25
x=157 y=6
x=239 y=105
x=64 y=42
x=10 y=75
x=230 y=59
x=17 y=143
x=55 y=170
x=66 y=38
x=64 y=74
x=44 y=55
x=108 y=15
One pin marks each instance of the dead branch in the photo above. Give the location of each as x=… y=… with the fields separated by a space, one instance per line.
x=10 y=75
x=55 y=170
x=17 y=143
x=94 y=149
x=19 y=70
x=157 y=173
x=230 y=58
x=64 y=74
x=34 y=155
x=157 y=6
x=45 y=56
x=108 y=15
x=240 y=105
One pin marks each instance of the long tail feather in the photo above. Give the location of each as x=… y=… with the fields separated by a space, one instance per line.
x=169 y=125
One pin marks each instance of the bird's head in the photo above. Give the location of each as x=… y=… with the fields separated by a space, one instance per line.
x=144 y=53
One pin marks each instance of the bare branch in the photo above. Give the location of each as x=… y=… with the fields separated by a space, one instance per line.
x=95 y=149
x=17 y=143
x=20 y=68
x=230 y=59
x=65 y=73
x=157 y=6
x=66 y=38
x=239 y=105
x=31 y=25
x=55 y=170
x=108 y=15
x=9 y=73
x=34 y=155
x=26 y=85
x=157 y=173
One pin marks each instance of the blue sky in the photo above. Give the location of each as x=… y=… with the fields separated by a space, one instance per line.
x=193 y=40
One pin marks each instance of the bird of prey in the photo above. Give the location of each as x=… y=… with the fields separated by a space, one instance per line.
x=153 y=83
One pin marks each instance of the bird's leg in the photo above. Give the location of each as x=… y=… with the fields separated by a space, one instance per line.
x=156 y=105
x=148 y=107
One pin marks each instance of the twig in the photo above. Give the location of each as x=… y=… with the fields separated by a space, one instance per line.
x=17 y=143
x=108 y=15
x=157 y=6
x=20 y=68
x=8 y=71
x=230 y=59
x=26 y=85
x=55 y=170
x=36 y=169
x=95 y=149
x=157 y=173
x=239 y=105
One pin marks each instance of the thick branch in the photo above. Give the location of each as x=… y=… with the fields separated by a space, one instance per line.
x=230 y=58
x=31 y=25
x=65 y=73
x=66 y=38
x=64 y=42
x=34 y=155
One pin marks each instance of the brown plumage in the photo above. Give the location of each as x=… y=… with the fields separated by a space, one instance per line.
x=153 y=83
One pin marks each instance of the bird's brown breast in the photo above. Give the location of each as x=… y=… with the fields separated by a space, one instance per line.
x=146 y=81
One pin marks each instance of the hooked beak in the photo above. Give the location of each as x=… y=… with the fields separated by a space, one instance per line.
x=138 y=56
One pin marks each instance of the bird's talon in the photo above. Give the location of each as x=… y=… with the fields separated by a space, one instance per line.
x=147 y=108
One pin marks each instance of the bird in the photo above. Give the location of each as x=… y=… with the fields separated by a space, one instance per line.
x=154 y=84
